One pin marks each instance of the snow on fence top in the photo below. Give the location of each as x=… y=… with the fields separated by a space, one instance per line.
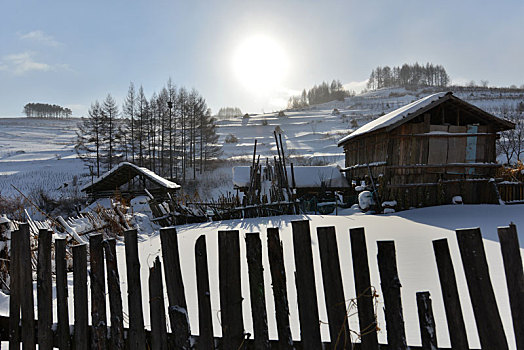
x=305 y=176
x=394 y=116
x=113 y=177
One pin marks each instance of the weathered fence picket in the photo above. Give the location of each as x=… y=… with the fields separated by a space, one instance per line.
x=137 y=334
x=485 y=310
x=472 y=254
x=363 y=290
x=205 y=323
x=64 y=340
x=426 y=321
x=305 y=284
x=450 y=295
x=81 y=336
x=509 y=244
x=98 y=293
x=230 y=293
x=333 y=289
x=44 y=289
x=115 y=297
x=390 y=285
x=256 y=290
x=278 y=280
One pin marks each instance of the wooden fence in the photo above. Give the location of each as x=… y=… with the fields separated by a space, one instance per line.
x=21 y=327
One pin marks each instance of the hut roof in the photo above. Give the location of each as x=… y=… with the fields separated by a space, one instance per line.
x=305 y=176
x=122 y=174
x=405 y=113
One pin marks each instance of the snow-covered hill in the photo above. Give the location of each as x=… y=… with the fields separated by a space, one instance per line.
x=39 y=154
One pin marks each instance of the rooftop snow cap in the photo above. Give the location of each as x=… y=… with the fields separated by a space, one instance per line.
x=394 y=116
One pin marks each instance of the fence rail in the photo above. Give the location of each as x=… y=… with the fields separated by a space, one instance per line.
x=102 y=254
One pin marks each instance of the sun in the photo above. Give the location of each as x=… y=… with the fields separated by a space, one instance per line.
x=260 y=63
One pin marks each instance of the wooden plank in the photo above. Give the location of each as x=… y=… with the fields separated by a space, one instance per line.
x=278 y=280
x=26 y=287
x=44 y=288
x=426 y=321
x=98 y=293
x=157 y=307
x=366 y=311
x=256 y=290
x=64 y=340
x=485 y=310
x=482 y=142
x=230 y=292
x=450 y=296
x=175 y=287
x=81 y=336
x=15 y=291
x=509 y=244
x=136 y=335
x=333 y=289
x=390 y=285
x=305 y=284
x=205 y=323
x=438 y=146
x=457 y=145
x=115 y=298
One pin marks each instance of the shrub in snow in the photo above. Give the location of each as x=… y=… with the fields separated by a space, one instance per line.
x=281 y=114
x=231 y=139
x=365 y=200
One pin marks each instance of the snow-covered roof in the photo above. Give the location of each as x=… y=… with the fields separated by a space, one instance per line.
x=305 y=176
x=113 y=178
x=394 y=116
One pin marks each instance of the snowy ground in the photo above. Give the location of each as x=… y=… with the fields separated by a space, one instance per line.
x=411 y=230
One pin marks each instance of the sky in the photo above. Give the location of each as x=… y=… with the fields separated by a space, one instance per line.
x=243 y=53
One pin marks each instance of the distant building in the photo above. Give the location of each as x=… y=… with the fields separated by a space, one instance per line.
x=427 y=152
x=130 y=180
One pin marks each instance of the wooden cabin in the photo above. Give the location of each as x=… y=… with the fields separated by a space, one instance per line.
x=427 y=152
x=130 y=180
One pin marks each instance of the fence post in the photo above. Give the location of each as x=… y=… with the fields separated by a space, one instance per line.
x=205 y=323
x=256 y=290
x=450 y=296
x=489 y=324
x=157 y=307
x=175 y=287
x=115 y=298
x=14 y=291
x=305 y=284
x=363 y=289
x=390 y=283
x=137 y=334
x=61 y=293
x=26 y=286
x=278 y=280
x=509 y=244
x=426 y=321
x=333 y=289
x=230 y=292
x=98 y=293
x=44 y=290
x=81 y=337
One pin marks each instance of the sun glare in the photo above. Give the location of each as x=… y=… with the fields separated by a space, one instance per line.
x=260 y=63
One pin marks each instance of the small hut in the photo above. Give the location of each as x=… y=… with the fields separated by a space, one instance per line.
x=427 y=153
x=130 y=180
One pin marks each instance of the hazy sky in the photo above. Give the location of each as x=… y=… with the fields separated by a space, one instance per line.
x=250 y=54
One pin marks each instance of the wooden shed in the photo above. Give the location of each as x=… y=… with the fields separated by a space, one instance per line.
x=427 y=152
x=130 y=180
